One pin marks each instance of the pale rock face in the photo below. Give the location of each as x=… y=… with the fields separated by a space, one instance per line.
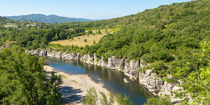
x=110 y=63
x=134 y=65
x=121 y=64
x=103 y=63
x=157 y=86
x=85 y=57
x=127 y=67
x=64 y=56
x=78 y=56
x=148 y=72
x=134 y=73
x=43 y=53
x=170 y=86
x=90 y=59
x=169 y=76
x=34 y=52
x=58 y=55
x=177 y=88
x=50 y=54
x=115 y=63
x=153 y=74
x=95 y=58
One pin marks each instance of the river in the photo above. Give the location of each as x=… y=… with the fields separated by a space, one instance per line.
x=112 y=80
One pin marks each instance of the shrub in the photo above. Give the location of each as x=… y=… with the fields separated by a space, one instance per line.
x=158 y=101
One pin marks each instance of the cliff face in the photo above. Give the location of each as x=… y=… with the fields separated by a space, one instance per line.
x=150 y=80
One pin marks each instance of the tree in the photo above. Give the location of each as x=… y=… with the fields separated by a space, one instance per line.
x=56 y=37
x=99 y=31
x=85 y=40
x=90 y=32
x=23 y=80
x=123 y=100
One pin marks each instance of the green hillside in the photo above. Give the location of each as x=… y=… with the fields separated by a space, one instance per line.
x=168 y=27
x=174 y=39
x=171 y=39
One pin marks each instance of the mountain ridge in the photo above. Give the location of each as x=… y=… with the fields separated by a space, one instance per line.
x=47 y=18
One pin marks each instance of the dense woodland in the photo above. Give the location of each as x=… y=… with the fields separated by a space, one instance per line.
x=174 y=39
x=23 y=81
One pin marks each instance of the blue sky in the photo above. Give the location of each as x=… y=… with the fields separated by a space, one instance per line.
x=92 y=9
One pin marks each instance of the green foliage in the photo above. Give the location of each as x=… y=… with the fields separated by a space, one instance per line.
x=23 y=80
x=123 y=100
x=160 y=33
x=99 y=31
x=104 y=100
x=111 y=99
x=197 y=82
x=91 y=97
x=34 y=37
x=158 y=101
x=159 y=68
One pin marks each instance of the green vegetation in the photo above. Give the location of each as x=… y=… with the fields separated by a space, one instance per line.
x=123 y=100
x=92 y=98
x=34 y=37
x=23 y=81
x=158 y=101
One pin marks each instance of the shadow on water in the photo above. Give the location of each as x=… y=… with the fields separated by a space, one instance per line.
x=69 y=94
x=112 y=79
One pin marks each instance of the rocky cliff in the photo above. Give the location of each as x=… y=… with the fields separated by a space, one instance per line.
x=150 y=80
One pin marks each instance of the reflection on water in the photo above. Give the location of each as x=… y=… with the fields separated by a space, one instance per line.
x=113 y=80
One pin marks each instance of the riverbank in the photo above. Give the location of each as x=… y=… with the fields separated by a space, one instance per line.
x=74 y=87
x=150 y=80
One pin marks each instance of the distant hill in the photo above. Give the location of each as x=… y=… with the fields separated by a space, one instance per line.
x=4 y=20
x=46 y=18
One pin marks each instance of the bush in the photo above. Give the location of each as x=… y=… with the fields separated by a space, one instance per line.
x=91 y=97
x=159 y=68
x=123 y=100
x=157 y=101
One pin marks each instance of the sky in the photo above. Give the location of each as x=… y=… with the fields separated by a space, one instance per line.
x=91 y=9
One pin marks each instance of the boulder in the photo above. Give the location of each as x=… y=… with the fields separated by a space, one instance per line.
x=34 y=52
x=50 y=54
x=134 y=65
x=43 y=52
x=148 y=72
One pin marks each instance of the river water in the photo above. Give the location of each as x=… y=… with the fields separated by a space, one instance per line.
x=113 y=80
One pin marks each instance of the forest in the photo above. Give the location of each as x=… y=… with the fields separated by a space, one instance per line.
x=174 y=39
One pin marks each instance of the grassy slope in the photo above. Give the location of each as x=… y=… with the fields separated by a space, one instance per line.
x=84 y=40
x=80 y=40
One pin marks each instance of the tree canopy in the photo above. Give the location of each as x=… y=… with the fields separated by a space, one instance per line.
x=23 y=81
